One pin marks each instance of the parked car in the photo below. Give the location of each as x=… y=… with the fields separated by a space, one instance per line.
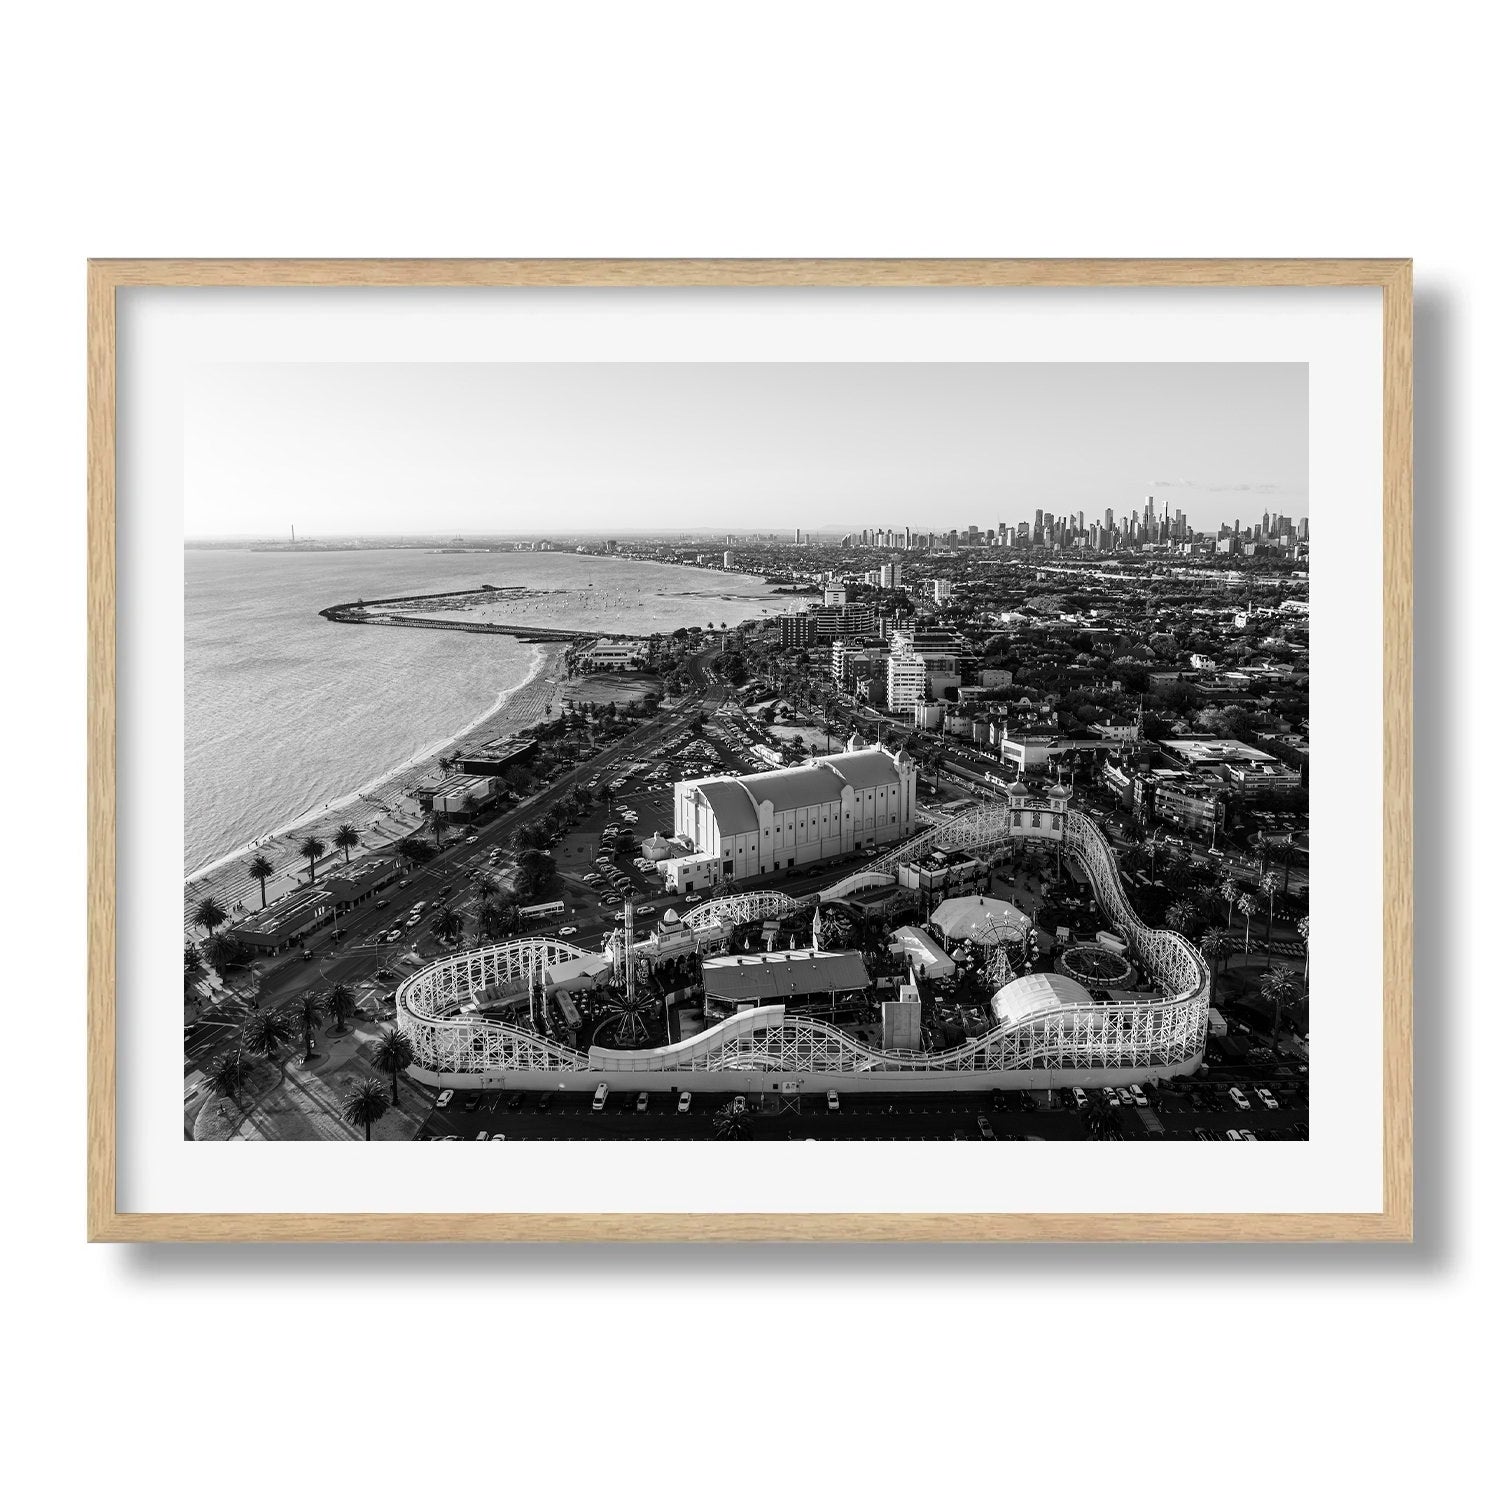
x=684 y=1102
x=600 y=1095
x=642 y=1102
x=986 y=1130
x=1240 y=1101
x=1080 y=1098
x=833 y=1101
x=445 y=1099
x=1267 y=1098
x=566 y=931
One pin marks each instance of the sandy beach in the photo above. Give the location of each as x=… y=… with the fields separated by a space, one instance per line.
x=384 y=810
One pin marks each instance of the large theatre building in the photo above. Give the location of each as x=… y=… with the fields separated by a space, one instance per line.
x=742 y=826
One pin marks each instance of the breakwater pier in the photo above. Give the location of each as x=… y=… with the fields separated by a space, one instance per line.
x=390 y=612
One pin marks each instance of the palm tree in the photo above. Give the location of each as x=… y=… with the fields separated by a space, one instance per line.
x=1183 y=916
x=393 y=1054
x=226 y=952
x=1269 y=886
x=210 y=914
x=1229 y=889
x=1214 y=945
x=192 y=963
x=731 y=1124
x=1304 y=931
x=266 y=1033
x=312 y=850
x=346 y=838
x=1101 y=1122
x=340 y=1007
x=226 y=1075
x=414 y=851
x=261 y=869
x=448 y=925
x=1278 y=985
x=439 y=823
x=497 y=919
x=310 y=1011
x=1249 y=905
x=367 y=1104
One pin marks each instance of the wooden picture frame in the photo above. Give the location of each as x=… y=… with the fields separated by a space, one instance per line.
x=1394 y=1222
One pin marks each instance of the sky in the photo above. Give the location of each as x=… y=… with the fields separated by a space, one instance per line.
x=531 y=449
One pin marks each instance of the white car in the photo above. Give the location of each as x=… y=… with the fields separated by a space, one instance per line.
x=566 y=931
x=833 y=1101
x=1138 y=1095
x=444 y=1099
x=684 y=1103
x=1240 y=1101
x=1267 y=1098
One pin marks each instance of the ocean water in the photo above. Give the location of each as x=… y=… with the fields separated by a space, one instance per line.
x=285 y=712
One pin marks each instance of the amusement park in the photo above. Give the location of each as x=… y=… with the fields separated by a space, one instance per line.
x=869 y=984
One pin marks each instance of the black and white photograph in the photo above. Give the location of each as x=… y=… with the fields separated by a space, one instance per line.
x=888 y=751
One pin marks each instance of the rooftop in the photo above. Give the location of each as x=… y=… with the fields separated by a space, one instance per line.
x=1211 y=752
x=765 y=976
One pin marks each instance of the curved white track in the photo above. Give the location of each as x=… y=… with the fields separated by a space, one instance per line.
x=1157 y=1034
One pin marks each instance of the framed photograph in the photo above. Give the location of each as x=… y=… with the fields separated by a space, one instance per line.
x=786 y=750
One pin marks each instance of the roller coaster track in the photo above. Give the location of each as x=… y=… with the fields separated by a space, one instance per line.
x=436 y=1006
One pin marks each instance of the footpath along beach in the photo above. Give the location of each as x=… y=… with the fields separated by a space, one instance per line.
x=383 y=811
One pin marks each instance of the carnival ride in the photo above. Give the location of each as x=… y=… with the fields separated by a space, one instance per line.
x=1155 y=1034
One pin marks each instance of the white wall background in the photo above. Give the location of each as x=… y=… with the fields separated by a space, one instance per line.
x=818 y=129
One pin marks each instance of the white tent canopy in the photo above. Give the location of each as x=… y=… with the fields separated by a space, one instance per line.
x=980 y=919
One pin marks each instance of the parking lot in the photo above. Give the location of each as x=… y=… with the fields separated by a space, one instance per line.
x=1192 y=1111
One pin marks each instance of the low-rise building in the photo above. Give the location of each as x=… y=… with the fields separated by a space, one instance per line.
x=284 y=921
x=358 y=881
x=797 y=979
x=942 y=873
x=458 y=796
x=616 y=656
x=491 y=758
x=797 y=816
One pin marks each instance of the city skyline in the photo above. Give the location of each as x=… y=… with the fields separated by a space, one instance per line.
x=357 y=450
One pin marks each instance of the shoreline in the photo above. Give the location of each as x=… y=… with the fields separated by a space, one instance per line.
x=390 y=786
